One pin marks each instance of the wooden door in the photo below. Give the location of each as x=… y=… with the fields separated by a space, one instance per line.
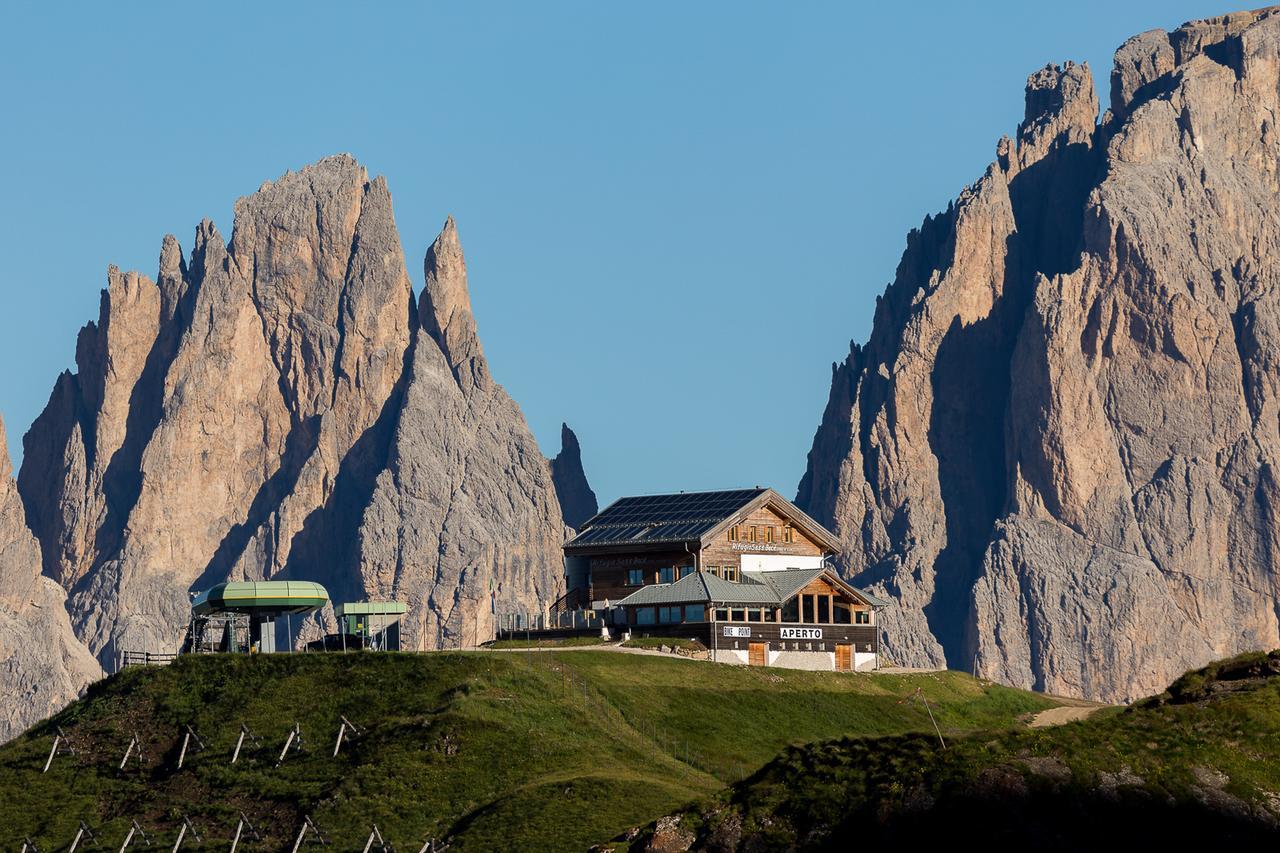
x=844 y=657
x=757 y=654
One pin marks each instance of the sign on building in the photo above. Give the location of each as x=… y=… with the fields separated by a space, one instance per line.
x=735 y=631
x=801 y=633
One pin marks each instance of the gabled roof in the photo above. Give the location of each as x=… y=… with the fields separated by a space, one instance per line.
x=685 y=518
x=756 y=588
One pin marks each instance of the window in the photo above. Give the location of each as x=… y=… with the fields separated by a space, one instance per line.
x=863 y=617
x=722 y=615
x=754 y=616
x=729 y=573
x=635 y=577
x=788 y=535
x=644 y=615
x=738 y=616
x=770 y=615
x=807 y=609
x=843 y=614
x=791 y=611
x=824 y=610
x=666 y=574
x=695 y=613
x=667 y=615
x=768 y=533
x=685 y=571
x=733 y=533
x=751 y=533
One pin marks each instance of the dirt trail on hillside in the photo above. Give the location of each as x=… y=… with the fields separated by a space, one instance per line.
x=1063 y=714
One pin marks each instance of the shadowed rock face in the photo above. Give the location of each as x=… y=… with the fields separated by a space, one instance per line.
x=42 y=664
x=577 y=500
x=240 y=418
x=1057 y=450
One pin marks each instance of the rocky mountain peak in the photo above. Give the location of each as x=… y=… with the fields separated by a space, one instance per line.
x=259 y=409
x=577 y=500
x=1056 y=449
x=445 y=307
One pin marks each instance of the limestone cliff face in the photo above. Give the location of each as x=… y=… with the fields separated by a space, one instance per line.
x=1057 y=451
x=464 y=520
x=42 y=664
x=233 y=419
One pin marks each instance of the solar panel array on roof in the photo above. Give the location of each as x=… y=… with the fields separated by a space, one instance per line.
x=662 y=518
x=680 y=507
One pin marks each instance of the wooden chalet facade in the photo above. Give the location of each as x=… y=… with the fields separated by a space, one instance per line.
x=745 y=572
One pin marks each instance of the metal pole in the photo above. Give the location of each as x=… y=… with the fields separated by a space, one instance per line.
x=52 y=753
x=239 y=743
x=235 y=842
x=182 y=832
x=186 y=739
x=337 y=746
x=287 y=743
x=76 y=842
x=301 y=832
x=128 y=839
x=128 y=751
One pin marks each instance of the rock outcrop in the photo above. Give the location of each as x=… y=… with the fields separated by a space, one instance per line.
x=42 y=664
x=235 y=418
x=464 y=522
x=1057 y=451
x=577 y=500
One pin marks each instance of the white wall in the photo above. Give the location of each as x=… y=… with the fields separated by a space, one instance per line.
x=816 y=661
x=778 y=562
x=863 y=661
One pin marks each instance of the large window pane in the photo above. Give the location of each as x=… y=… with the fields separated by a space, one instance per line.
x=644 y=615
x=824 y=609
x=695 y=613
x=635 y=577
x=666 y=574
x=791 y=611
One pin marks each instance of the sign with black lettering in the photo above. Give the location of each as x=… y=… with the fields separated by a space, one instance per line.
x=801 y=633
x=736 y=631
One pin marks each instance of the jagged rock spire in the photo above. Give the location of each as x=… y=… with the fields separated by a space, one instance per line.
x=445 y=307
x=577 y=500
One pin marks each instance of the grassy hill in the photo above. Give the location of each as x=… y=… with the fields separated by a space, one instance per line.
x=548 y=751
x=1197 y=765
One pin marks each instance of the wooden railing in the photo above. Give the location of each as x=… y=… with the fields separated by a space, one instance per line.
x=145 y=658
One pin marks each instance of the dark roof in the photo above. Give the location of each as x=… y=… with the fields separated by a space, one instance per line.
x=648 y=519
x=773 y=588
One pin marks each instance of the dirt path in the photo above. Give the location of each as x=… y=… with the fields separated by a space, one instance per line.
x=1062 y=714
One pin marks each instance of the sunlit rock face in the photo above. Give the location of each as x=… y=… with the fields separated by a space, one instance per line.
x=279 y=406
x=42 y=664
x=1057 y=451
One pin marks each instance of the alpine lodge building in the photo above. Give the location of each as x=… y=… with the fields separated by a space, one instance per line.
x=744 y=572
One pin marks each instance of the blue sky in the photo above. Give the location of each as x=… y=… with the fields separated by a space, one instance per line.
x=675 y=215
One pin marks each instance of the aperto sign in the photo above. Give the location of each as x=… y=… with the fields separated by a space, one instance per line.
x=735 y=631
x=801 y=633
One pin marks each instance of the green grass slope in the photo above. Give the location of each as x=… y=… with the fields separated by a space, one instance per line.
x=543 y=750
x=1198 y=765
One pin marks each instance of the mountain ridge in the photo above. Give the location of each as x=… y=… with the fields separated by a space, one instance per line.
x=236 y=418
x=1056 y=449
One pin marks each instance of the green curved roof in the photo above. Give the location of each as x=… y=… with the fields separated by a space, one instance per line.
x=261 y=596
